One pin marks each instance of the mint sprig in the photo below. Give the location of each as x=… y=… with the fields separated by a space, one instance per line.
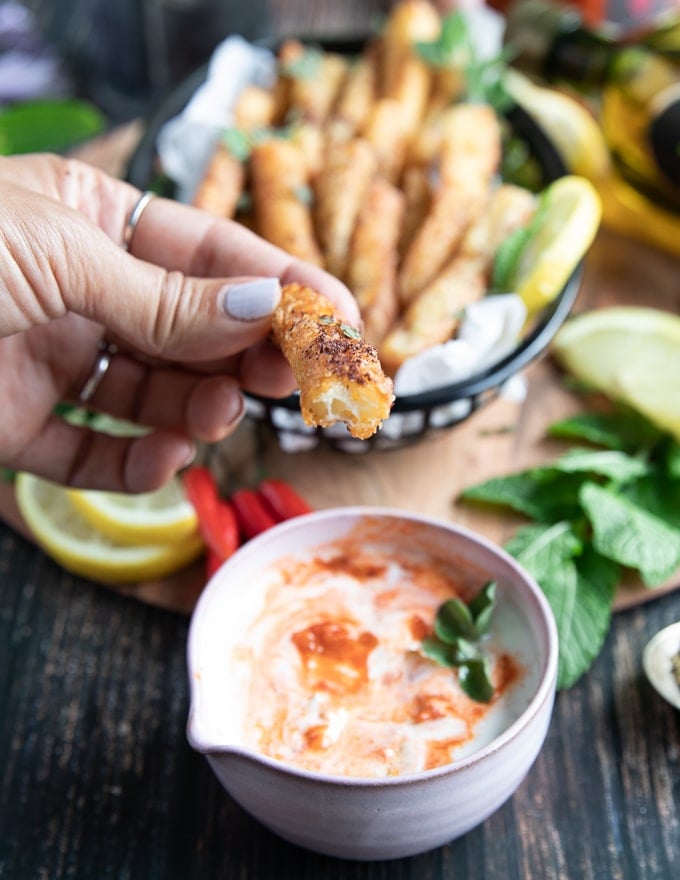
x=455 y=49
x=597 y=513
x=457 y=631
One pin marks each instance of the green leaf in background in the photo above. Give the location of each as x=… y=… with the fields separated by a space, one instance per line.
x=630 y=535
x=657 y=493
x=544 y=493
x=626 y=431
x=612 y=464
x=579 y=586
x=52 y=126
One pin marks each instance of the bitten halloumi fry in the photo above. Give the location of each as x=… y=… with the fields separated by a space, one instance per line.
x=372 y=265
x=280 y=191
x=221 y=185
x=435 y=314
x=469 y=159
x=338 y=373
x=341 y=188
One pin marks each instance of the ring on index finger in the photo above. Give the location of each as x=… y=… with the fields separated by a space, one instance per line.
x=135 y=217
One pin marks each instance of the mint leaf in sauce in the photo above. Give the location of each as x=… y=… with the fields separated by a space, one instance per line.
x=455 y=641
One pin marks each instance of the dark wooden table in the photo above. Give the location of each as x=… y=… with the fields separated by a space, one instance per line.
x=98 y=779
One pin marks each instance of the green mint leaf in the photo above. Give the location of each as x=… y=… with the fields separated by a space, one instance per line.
x=579 y=586
x=454 y=621
x=671 y=458
x=305 y=67
x=658 y=494
x=544 y=494
x=438 y=651
x=453 y=46
x=237 y=142
x=481 y=607
x=47 y=125
x=630 y=535
x=475 y=679
x=615 y=465
x=506 y=258
x=625 y=431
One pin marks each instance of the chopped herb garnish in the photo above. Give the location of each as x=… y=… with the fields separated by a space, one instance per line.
x=454 y=49
x=304 y=194
x=326 y=319
x=306 y=66
x=350 y=332
x=237 y=142
x=458 y=628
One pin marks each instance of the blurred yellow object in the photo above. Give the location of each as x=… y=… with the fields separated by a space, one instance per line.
x=571 y=127
x=71 y=540
x=631 y=354
x=578 y=139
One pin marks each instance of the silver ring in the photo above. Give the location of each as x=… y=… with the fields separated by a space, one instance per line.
x=101 y=366
x=135 y=216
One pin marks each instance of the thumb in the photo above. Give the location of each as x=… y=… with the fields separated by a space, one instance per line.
x=65 y=263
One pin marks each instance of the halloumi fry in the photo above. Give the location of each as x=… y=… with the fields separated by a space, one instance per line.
x=410 y=87
x=357 y=94
x=409 y=22
x=471 y=146
x=280 y=190
x=437 y=238
x=254 y=108
x=338 y=373
x=415 y=184
x=372 y=264
x=434 y=316
x=341 y=188
x=315 y=79
x=470 y=155
x=221 y=185
x=387 y=132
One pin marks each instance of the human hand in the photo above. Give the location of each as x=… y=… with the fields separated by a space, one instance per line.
x=188 y=308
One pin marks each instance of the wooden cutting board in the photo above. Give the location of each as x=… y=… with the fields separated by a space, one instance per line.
x=502 y=437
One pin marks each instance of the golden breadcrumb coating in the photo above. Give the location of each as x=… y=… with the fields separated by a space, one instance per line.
x=338 y=373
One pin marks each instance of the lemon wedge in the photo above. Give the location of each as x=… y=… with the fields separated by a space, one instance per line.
x=631 y=354
x=159 y=517
x=570 y=126
x=563 y=229
x=75 y=544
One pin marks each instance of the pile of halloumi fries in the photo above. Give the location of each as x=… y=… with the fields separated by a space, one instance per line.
x=378 y=169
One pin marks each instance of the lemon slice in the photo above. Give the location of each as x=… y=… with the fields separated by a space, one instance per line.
x=159 y=517
x=70 y=539
x=563 y=229
x=630 y=353
x=570 y=126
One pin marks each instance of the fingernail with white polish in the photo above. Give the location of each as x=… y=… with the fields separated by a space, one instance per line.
x=252 y=300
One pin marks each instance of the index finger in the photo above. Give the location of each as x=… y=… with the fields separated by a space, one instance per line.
x=186 y=239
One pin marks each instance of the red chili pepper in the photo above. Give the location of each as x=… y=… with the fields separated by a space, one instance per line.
x=212 y=563
x=251 y=513
x=282 y=500
x=216 y=519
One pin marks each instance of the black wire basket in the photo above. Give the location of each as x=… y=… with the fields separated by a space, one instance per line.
x=416 y=415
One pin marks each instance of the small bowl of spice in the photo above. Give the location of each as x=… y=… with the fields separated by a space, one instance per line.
x=371 y=683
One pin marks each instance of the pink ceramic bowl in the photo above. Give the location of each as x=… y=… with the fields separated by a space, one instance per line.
x=369 y=818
